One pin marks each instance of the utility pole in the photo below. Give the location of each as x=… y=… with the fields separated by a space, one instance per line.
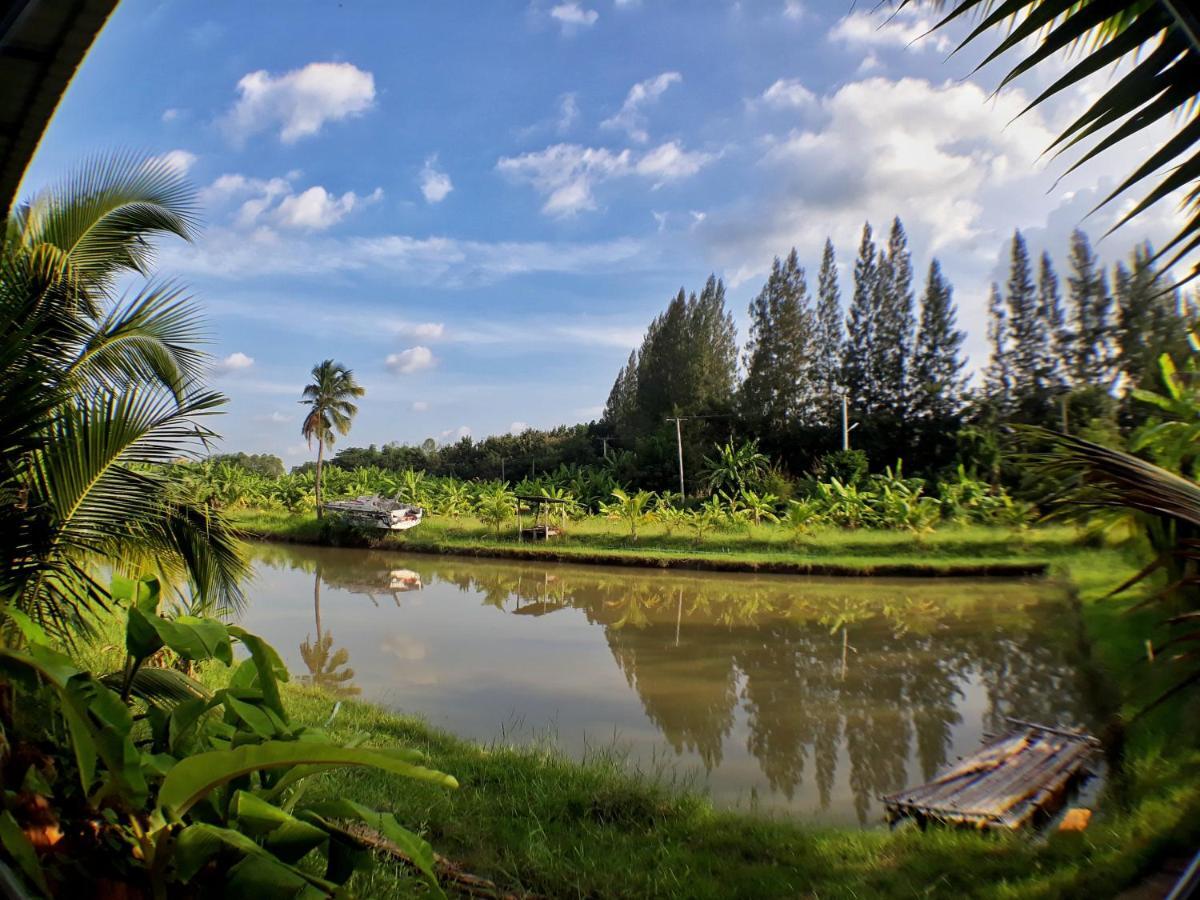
x=604 y=441
x=502 y=478
x=679 y=446
x=845 y=422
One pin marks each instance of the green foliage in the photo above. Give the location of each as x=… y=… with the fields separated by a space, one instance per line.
x=181 y=786
x=97 y=395
x=495 y=507
x=735 y=468
x=847 y=466
x=632 y=508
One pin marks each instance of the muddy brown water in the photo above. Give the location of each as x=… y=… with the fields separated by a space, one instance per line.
x=802 y=696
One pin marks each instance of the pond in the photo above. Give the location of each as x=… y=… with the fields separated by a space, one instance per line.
x=803 y=696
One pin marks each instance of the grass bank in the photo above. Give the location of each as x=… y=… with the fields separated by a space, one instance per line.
x=958 y=551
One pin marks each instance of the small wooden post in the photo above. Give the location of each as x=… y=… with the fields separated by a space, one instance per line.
x=520 y=539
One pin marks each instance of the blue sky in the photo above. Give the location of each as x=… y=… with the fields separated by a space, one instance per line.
x=479 y=206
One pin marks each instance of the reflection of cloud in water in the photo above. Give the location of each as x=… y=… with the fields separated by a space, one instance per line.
x=404 y=648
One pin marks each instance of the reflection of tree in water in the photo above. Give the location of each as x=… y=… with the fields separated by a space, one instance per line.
x=688 y=690
x=880 y=670
x=327 y=668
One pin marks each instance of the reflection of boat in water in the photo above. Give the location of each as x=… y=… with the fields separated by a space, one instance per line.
x=404 y=580
x=377 y=512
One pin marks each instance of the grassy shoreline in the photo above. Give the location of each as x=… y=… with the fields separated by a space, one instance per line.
x=969 y=551
x=531 y=819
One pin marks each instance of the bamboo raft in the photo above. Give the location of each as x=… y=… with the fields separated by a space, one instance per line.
x=1005 y=784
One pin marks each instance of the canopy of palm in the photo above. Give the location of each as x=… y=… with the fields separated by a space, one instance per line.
x=1160 y=43
x=331 y=411
x=97 y=394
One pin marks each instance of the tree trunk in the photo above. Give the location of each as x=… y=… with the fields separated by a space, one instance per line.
x=320 y=454
x=317 y=601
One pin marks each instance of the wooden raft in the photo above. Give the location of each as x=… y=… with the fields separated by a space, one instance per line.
x=1004 y=784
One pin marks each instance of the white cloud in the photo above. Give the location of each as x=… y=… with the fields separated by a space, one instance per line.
x=629 y=117
x=234 y=362
x=937 y=155
x=414 y=359
x=794 y=10
x=788 y=93
x=275 y=417
x=571 y=15
x=316 y=209
x=568 y=111
x=566 y=174
x=435 y=184
x=456 y=434
x=902 y=29
x=300 y=102
x=423 y=329
x=179 y=161
x=669 y=162
x=239 y=253
x=171 y=114
x=420 y=406
x=273 y=201
x=518 y=427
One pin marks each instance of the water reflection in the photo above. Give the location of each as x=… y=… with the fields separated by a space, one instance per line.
x=817 y=695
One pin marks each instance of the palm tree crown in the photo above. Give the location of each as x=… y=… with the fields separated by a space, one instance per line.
x=98 y=396
x=330 y=409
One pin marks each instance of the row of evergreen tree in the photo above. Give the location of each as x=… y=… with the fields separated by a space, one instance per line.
x=895 y=357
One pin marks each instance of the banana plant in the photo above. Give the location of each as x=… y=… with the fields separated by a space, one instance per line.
x=204 y=791
x=633 y=508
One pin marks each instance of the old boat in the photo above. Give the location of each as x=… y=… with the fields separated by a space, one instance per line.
x=376 y=512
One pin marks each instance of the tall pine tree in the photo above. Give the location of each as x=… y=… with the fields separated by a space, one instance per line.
x=1050 y=310
x=859 y=352
x=938 y=384
x=894 y=326
x=1148 y=322
x=997 y=377
x=776 y=392
x=827 y=341
x=1028 y=342
x=1091 y=304
x=620 y=412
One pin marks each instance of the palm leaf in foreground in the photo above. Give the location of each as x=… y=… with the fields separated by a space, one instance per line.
x=1099 y=477
x=1159 y=40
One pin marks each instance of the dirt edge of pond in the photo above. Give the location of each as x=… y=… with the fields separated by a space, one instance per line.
x=693 y=563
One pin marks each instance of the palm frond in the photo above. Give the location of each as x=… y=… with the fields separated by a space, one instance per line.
x=103 y=216
x=1161 y=37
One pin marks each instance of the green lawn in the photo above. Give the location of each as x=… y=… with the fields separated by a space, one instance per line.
x=531 y=819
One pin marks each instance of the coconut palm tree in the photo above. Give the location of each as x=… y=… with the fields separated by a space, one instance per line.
x=330 y=410
x=98 y=395
x=1160 y=82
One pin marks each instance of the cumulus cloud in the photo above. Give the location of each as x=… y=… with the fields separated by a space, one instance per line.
x=234 y=362
x=670 y=161
x=265 y=202
x=566 y=174
x=316 y=209
x=179 y=161
x=788 y=93
x=170 y=114
x=419 y=406
x=518 y=427
x=435 y=184
x=571 y=15
x=456 y=434
x=630 y=118
x=299 y=103
x=902 y=29
x=414 y=359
